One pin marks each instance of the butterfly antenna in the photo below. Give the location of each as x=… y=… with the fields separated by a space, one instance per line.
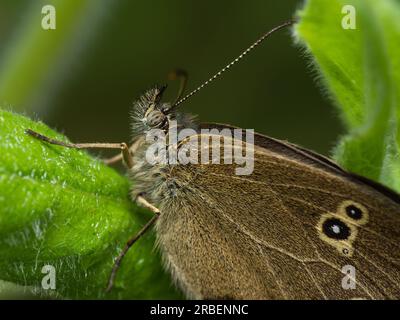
x=245 y=52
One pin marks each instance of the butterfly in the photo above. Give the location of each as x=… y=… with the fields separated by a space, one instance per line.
x=297 y=227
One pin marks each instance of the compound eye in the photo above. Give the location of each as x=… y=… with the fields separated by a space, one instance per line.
x=156 y=119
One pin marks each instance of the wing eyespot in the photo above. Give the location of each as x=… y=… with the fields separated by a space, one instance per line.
x=337 y=232
x=339 y=229
x=353 y=212
x=346 y=251
x=336 y=229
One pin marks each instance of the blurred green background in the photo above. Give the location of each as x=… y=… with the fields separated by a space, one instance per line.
x=83 y=77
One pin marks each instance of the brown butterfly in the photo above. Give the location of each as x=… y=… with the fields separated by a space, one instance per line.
x=297 y=227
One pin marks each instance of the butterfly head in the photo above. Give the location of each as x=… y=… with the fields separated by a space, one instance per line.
x=150 y=113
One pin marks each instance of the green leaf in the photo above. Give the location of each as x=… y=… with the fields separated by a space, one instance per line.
x=360 y=70
x=60 y=207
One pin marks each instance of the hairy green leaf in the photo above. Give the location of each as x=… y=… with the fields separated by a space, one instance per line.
x=63 y=208
x=360 y=69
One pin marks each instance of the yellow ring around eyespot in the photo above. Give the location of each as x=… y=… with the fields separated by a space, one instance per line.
x=342 y=212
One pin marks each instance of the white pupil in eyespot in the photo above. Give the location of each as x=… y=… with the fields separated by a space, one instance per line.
x=336 y=229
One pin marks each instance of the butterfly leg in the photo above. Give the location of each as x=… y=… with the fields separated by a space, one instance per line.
x=144 y=203
x=112 y=160
x=120 y=156
x=125 y=153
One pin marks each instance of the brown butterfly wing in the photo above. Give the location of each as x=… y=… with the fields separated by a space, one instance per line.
x=262 y=236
